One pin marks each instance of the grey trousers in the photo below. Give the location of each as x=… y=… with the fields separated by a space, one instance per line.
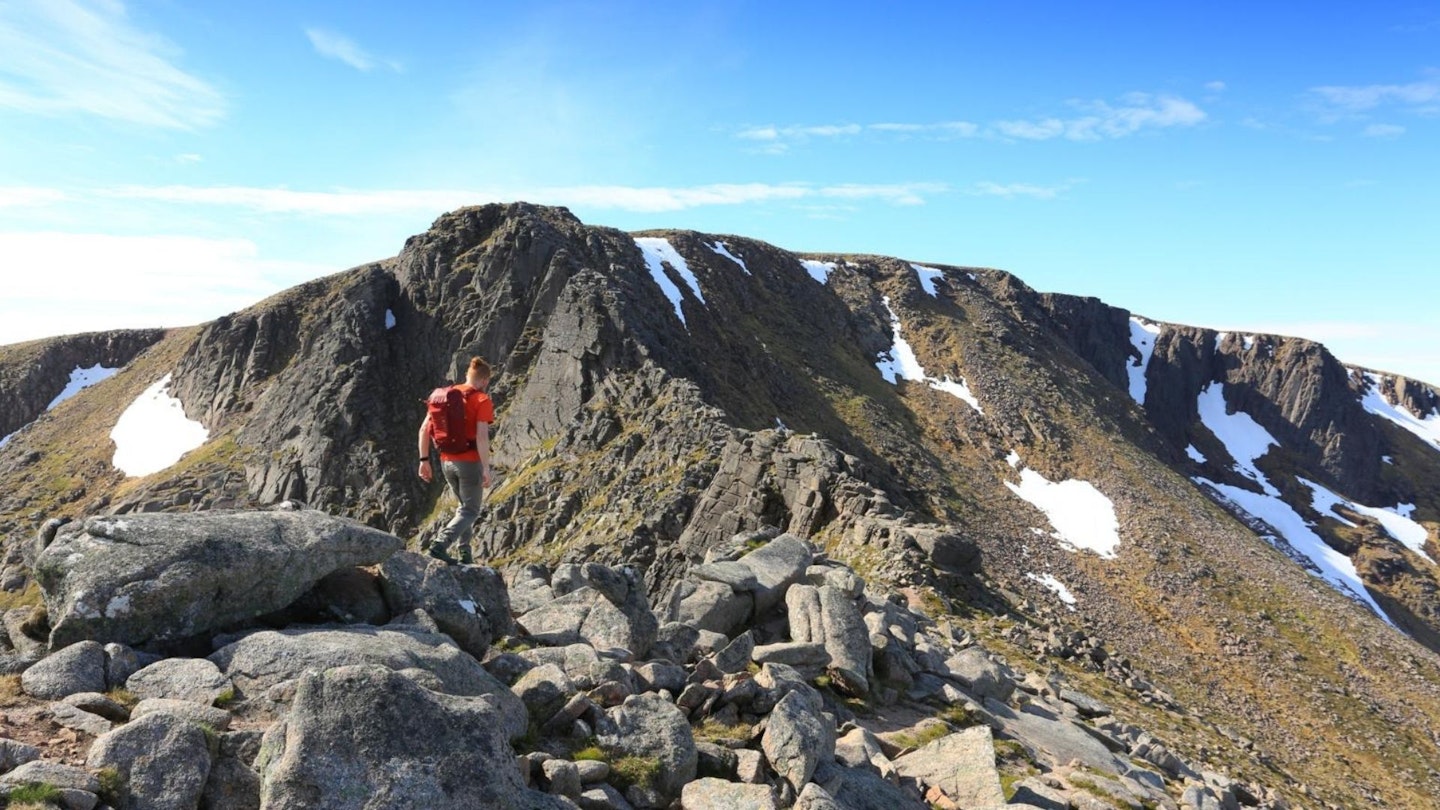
x=466 y=484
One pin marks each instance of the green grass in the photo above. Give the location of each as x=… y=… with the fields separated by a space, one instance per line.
x=634 y=771
x=112 y=786
x=35 y=793
x=226 y=698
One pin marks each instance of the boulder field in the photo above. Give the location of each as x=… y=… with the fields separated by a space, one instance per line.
x=290 y=659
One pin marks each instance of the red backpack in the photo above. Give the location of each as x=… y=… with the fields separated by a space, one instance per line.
x=448 y=422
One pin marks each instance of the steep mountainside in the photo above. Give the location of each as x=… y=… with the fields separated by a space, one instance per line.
x=1241 y=518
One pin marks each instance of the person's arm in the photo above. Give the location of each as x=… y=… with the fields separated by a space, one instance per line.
x=482 y=444
x=426 y=474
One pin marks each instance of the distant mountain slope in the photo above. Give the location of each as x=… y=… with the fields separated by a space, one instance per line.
x=947 y=428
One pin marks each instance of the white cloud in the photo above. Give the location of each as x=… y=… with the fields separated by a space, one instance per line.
x=1424 y=95
x=1135 y=112
x=68 y=56
x=626 y=198
x=113 y=282
x=987 y=188
x=28 y=196
x=339 y=47
x=1101 y=120
x=1383 y=131
x=1215 y=87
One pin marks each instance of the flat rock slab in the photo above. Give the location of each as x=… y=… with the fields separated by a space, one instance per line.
x=151 y=578
x=718 y=794
x=1054 y=739
x=961 y=765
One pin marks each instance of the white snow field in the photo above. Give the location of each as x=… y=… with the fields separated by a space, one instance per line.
x=1049 y=581
x=820 y=271
x=927 y=276
x=1142 y=337
x=1425 y=426
x=80 y=379
x=900 y=363
x=1080 y=514
x=389 y=319
x=153 y=433
x=1246 y=442
x=720 y=248
x=1195 y=454
x=657 y=249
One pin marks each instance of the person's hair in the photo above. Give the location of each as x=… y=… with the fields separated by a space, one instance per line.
x=479 y=368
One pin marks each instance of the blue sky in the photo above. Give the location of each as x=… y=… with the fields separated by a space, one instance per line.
x=1257 y=166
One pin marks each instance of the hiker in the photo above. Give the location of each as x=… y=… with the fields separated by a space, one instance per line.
x=464 y=445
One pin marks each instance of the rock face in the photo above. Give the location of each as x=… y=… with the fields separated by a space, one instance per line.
x=35 y=373
x=366 y=736
x=144 y=579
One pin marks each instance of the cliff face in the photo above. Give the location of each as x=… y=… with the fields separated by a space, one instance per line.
x=32 y=374
x=659 y=393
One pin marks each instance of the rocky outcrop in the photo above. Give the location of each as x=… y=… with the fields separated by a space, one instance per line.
x=148 y=579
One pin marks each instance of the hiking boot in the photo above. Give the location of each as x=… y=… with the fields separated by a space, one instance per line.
x=439 y=554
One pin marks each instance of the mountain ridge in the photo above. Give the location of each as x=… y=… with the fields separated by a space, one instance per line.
x=629 y=434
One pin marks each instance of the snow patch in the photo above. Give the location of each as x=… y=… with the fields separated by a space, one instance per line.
x=1386 y=459
x=389 y=319
x=658 y=250
x=927 y=276
x=468 y=606
x=154 y=433
x=1049 y=581
x=80 y=379
x=1244 y=439
x=1425 y=426
x=719 y=247
x=781 y=426
x=820 y=271
x=1142 y=336
x=1194 y=454
x=1081 y=515
x=1324 y=561
x=1013 y=459
x=1249 y=341
x=900 y=363
x=1395 y=521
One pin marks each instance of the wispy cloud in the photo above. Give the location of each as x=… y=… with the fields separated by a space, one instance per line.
x=1101 y=120
x=1383 y=131
x=1422 y=96
x=777 y=140
x=625 y=198
x=28 y=196
x=337 y=46
x=1215 y=87
x=72 y=56
x=1007 y=191
x=1097 y=120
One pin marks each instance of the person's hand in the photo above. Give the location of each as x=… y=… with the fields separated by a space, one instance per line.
x=425 y=472
x=485 y=476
